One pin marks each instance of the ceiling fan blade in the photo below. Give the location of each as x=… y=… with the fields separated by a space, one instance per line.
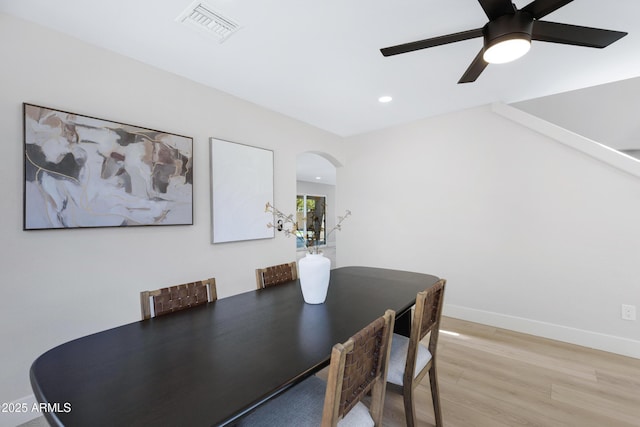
x=475 y=69
x=555 y=32
x=541 y=8
x=435 y=41
x=496 y=8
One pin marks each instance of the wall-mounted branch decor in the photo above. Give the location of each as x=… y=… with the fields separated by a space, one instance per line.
x=82 y=172
x=241 y=183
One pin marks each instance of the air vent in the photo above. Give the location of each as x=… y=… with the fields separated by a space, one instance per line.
x=201 y=16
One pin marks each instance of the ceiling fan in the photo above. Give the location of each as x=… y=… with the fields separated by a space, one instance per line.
x=508 y=34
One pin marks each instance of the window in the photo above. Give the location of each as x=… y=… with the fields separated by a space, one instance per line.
x=311 y=218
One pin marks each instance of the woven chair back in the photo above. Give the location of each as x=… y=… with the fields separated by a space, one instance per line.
x=176 y=298
x=276 y=274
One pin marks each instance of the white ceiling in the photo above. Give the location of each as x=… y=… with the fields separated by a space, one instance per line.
x=319 y=61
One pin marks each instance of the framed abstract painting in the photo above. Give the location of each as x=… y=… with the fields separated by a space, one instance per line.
x=84 y=172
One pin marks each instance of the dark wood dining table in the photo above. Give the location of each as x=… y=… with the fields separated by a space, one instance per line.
x=211 y=364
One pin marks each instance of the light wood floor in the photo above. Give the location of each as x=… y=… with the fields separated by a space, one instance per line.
x=493 y=377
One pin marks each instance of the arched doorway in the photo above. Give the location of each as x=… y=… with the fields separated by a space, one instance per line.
x=316 y=193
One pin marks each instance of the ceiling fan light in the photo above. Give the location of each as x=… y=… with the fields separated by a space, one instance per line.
x=506 y=50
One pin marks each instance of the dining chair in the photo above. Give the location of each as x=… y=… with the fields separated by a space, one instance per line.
x=276 y=274
x=357 y=367
x=176 y=298
x=410 y=360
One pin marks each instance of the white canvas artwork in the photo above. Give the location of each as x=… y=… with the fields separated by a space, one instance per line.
x=241 y=186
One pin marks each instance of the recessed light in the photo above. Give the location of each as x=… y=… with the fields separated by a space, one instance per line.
x=318 y=177
x=385 y=99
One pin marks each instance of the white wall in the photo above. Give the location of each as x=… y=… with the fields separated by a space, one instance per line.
x=606 y=113
x=531 y=234
x=62 y=284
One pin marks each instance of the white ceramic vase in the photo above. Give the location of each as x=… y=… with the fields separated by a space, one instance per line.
x=313 y=270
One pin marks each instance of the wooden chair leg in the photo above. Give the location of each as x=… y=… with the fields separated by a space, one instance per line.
x=377 y=401
x=409 y=406
x=435 y=395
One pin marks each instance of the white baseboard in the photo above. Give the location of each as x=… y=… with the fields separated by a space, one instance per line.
x=19 y=412
x=609 y=343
